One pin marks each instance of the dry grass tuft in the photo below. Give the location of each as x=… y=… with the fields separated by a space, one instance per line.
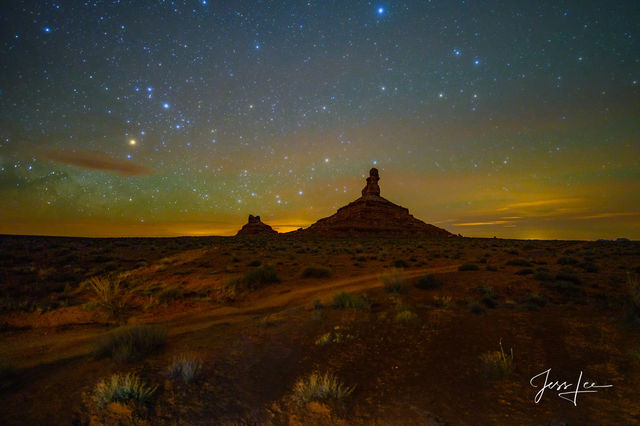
x=320 y=387
x=110 y=297
x=497 y=363
x=122 y=388
x=185 y=367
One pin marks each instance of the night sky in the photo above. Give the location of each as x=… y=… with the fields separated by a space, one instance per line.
x=155 y=118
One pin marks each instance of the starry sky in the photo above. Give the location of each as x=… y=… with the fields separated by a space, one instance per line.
x=519 y=119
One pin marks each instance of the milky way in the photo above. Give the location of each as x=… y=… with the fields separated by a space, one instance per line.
x=516 y=118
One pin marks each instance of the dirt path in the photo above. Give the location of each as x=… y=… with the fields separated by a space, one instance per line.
x=28 y=348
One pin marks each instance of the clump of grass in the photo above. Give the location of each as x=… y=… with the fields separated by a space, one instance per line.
x=258 y=277
x=312 y=271
x=543 y=276
x=406 y=317
x=185 y=367
x=130 y=342
x=255 y=263
x=497 y=363
x=169 y=294
x=333 y=337
x=477 y=309
x=122 y=388
x=395 y=282
x=567 y=260
x=344 y=300
x=518 y=262
x=399 y=263
x=325 y=339
x=110 y=297
x=468 y=267
x=525 y=271
x=442 y=301
x=320 y=387
x=633 y=287
x=428 y=282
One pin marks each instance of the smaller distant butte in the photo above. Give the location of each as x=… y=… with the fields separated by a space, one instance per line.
x=255 y=227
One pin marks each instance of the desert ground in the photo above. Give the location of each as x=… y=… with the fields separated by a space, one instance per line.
x=292 y=330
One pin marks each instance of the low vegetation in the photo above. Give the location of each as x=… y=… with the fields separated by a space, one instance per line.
x=261 y=276
x=349 y=301
x=110 y=297
x=130 y=342
x=312 y=271
x=468 y=267
x=406 y=317
x=428 y=282
x=320 y=387
x=395 y=281
x=497 y=364
x=123 y=388
x=185 y=367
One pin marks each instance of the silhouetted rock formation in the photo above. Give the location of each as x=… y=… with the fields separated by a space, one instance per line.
x=256 y=227
x=373 y=215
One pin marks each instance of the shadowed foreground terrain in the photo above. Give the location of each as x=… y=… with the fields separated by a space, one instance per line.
x=398 y=331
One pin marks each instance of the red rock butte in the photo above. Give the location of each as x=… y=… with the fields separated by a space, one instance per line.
x=255 y=227
x=373 y=215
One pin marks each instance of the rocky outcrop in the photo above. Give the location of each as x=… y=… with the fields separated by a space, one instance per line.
x=255 y=227
x=373 y=215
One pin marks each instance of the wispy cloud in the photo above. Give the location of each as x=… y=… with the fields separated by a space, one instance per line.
x=494 y=222
x=606 y=215
x=98 y=161
x=538 y=203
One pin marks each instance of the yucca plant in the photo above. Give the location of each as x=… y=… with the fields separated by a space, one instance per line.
x=185 y=367
x=110 y=297
x=319 y=387
x=122 y=388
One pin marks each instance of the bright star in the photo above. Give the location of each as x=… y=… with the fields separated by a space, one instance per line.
x=165 y=106
x=380 y=10
x=47 y=29
x=132 y=142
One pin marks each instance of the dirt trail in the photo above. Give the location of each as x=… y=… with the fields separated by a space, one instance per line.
x=27 y=348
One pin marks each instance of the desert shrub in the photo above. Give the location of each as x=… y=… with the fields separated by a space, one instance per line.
x=261 y=276
x=566 y=288
x=442 y=301
x=406 y=317
x=7 y=372
x=491 y=268
x=399 y=263
x=315 y=272
x=525 y=271
x=490 y=302
x=518 y=262
x=567 y=260
x=344 y=300
x=122 y=388
x=633 y=288
x=428 y=282
x=543 y=276
x=320 y=387
x=110 y=297
x=185 y=367
x=169 y=294
x=130 y=342
x=497 y=363
x=568 y=276
x=255 y=263
x=477 y=308
x=468 y=267
x=324 y=339
x=589 y=267
x=395 y=281
x=534 y=301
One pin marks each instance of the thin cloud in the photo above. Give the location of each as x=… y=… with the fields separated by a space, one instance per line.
x=605 y=215
x=541 y=203
x=495 y=222
x=99 y=161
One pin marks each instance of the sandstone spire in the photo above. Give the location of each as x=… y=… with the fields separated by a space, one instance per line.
x=372 y=183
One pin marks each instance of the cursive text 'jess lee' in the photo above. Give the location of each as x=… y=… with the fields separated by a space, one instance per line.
x=572 y=390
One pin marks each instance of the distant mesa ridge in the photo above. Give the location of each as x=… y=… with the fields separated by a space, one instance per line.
x=373 y=215
x=255 y=227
